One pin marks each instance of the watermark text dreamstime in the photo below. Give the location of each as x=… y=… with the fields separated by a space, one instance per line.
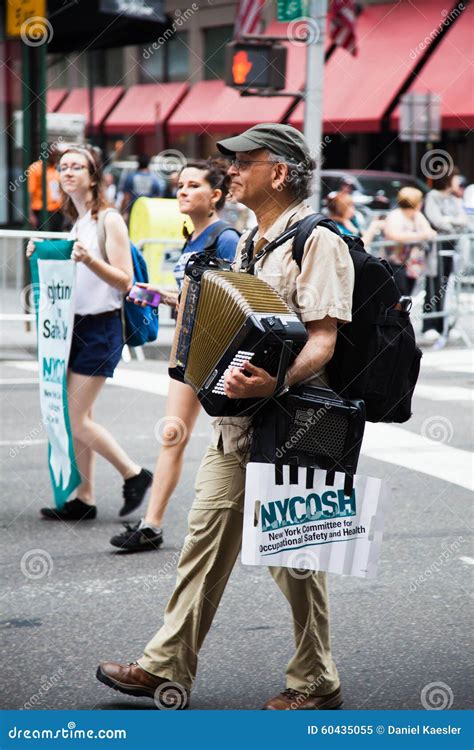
x=179 y=20
x=447 y=20
x=437 y=564
x=46 y=683
x=70 y=732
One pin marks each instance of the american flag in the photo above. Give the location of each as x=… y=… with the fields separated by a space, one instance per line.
x=249 y=18
x=342 y=24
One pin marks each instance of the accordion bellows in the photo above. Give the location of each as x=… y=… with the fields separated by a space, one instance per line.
x=227 y=303
x=224 y=318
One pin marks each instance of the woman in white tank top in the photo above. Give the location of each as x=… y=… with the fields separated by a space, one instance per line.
x=97 y=336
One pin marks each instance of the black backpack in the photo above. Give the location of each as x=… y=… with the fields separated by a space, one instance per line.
x=376 y=357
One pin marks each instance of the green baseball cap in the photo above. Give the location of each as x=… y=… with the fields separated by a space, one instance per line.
x=276 y=137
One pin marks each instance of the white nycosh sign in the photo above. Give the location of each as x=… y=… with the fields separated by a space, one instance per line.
x=312 y=529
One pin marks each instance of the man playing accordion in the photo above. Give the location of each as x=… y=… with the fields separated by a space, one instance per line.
x=271 y=172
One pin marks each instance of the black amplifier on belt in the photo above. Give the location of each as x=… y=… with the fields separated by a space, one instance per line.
x=310 y=427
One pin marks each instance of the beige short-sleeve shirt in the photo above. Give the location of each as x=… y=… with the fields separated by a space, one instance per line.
x=323 y=287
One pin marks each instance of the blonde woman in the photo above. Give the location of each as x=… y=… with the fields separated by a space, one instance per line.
x=97 y=335
x=409 y=229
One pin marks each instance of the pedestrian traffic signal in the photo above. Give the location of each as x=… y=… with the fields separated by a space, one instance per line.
x=256 y=65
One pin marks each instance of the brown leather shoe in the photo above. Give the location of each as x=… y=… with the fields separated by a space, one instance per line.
x=131 y=679
x=292 y=700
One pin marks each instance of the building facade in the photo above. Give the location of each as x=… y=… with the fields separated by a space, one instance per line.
x=170 y=94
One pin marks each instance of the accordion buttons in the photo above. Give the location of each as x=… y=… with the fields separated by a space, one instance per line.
x=237 y=361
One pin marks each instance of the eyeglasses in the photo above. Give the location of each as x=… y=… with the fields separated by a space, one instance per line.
x=239 y=163
x=71 y=167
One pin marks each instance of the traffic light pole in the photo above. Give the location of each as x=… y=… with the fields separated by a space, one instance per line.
x=313 y=111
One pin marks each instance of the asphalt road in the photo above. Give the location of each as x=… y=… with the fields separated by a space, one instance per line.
x=393 y=637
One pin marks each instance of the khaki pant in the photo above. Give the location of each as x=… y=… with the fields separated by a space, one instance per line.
x=207 y=559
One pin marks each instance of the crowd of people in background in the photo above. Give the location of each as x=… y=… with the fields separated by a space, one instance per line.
x=405 y=238
x=407 y=230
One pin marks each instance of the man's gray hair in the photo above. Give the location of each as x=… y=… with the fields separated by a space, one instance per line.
x=300 y=175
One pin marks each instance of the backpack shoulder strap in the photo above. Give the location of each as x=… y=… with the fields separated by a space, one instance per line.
x=101 y=234
x=216 y=231
x=304 y=230
x=299 y=232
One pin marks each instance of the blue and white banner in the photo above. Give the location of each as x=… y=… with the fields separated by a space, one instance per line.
x=316 y=529
x=55 y=293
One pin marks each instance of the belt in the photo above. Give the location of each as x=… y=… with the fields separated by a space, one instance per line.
x=98 y=316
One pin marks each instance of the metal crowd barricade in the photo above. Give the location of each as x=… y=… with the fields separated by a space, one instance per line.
x=13 y=281
x=461 y=278
x=12 y=248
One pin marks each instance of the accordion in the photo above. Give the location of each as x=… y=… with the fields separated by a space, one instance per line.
x=310 y=427
x=224 y=319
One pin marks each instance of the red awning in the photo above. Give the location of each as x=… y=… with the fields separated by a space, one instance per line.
x=145 y=106
x=358 y=90
x=105 y=97
x=213 y=107
x=450 y=73
x=54 y=98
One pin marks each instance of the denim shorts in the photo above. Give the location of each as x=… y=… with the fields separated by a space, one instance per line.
x=97 y=343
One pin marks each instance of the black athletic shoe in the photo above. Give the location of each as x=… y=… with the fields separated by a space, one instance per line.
x=134 y=490
x=74 y=510
x=135 y=539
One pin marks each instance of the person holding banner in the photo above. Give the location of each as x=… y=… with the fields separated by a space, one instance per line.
x=271 y=173
x=97 y=339
x=202 y=190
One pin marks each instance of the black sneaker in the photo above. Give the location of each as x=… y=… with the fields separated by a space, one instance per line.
x=74 y=510
x=136 y=539
x=134 y=490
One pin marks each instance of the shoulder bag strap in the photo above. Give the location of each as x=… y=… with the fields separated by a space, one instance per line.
x=247 y=250
x=101 y=234
x=287 y=235
x=300 y=231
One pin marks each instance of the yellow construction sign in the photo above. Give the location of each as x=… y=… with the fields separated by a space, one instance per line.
x=19 y=11
x=156 y=226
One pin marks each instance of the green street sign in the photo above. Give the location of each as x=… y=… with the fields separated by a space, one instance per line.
x=290 y=10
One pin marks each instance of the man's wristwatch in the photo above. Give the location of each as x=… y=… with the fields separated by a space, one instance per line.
x=284 y=388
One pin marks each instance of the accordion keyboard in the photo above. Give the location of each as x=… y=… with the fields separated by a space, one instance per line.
x=239 y=358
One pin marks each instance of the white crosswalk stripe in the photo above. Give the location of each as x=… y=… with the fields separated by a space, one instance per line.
x=443 y=393
x=394 y=445
x=449 y=360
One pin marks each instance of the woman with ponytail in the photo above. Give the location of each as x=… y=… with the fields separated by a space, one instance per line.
x=202 y=190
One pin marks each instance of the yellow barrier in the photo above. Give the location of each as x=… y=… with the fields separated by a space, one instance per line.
x=153 y=218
